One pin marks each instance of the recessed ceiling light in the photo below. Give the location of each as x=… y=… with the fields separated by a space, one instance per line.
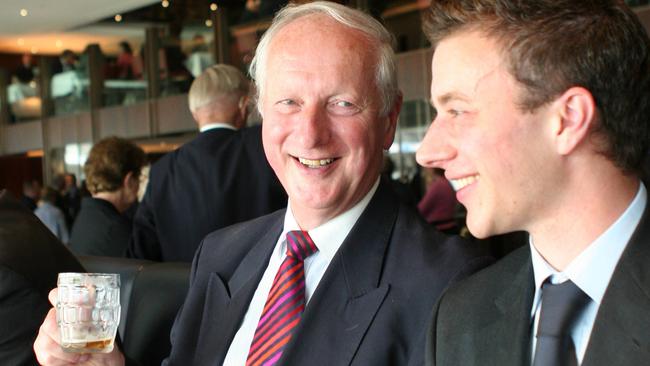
x=21 y=42
x=23 y=12
x=208 y=23
x=59 y=44
x=34 y=50
x=165 y=3
x=213 y=7
x=118 y=18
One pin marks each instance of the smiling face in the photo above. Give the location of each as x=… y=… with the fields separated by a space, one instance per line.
x=499 y=158
x=322 y=131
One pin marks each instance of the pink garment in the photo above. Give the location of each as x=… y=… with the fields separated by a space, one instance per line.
x=438 y=205
x=125 y=66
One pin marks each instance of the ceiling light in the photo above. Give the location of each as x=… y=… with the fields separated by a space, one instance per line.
x=213 y=7
x=208 y=23
x=118 y=18
x=165 y=3
x=23 y=12
x=34 y=50
x=59 y=44
x=21 y=42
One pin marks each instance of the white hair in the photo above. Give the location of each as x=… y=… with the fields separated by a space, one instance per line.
x=385 y=72
x=216 y=82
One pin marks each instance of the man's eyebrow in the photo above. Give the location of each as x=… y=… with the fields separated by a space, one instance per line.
x=447 y=97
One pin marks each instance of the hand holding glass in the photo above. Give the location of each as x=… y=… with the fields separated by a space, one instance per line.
x=88 y=311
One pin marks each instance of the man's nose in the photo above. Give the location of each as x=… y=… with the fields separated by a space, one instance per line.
x=436 y=148
x=314 y=128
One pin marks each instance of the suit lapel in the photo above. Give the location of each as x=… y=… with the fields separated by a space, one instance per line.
x=228 y=303
x=621 y=333
x=349 y=294
x=506 y=339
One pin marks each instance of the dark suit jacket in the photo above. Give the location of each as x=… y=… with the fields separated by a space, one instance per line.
x=30 y=259
x=218 y=179
x=370 y=307
x=486 y=320
x=100 y=229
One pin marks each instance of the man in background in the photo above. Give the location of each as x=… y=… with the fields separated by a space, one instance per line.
x=219 y=178
x=543 y=123
x=31 y=194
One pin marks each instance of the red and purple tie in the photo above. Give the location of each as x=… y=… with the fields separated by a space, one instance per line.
x=284 y=305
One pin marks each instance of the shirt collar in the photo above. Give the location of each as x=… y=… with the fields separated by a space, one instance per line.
x=212 y=126
x=592 y=269
x=329 y=236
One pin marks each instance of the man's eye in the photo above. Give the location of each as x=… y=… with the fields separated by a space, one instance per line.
x=287 y=106
x=455 y=112
x=287 y=102
x=343 y=107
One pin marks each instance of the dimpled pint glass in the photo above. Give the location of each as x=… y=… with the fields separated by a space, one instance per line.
x=88 y=311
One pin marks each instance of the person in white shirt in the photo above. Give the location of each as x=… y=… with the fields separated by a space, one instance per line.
x=51 y=215
x=543 y=123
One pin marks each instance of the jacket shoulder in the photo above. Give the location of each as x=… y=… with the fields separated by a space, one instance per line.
x=227 y=246
x=486 y=283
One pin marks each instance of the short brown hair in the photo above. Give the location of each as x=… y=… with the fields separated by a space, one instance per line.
x=108 y=163
x=552 y=45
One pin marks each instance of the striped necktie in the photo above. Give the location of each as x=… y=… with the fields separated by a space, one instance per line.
x=284 y=305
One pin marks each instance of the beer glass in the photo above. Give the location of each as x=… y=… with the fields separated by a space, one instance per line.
x=88 y=311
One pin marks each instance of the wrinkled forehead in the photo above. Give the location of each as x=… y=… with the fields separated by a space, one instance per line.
x=318 y=33
x=317 y=44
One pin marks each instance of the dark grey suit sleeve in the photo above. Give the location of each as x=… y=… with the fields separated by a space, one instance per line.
x=144 y=243
x=430 y=343
x=471 y=267
x=22 y=309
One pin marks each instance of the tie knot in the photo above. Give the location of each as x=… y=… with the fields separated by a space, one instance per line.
x=300 y=245
x=561 y=305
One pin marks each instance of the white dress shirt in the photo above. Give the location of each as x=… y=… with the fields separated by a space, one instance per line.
x=327 y=237
x=591 y=271
x=212 y=126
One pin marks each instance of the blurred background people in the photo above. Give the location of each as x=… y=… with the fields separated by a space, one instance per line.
x=175 y=75
x=219 y=178
x=438 y=207
x=51 y=216
x=27 y=66
x=112 y=177
x=69 y=61
x=31 y=194
x=30 y=259
x=402 y=188
x=200 y=57
x=71 y=198
x=23 y=94
x=261 y=9
x=125 y=62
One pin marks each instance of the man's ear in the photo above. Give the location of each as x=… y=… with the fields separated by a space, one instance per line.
x=576 y=112
x=392 y=117
x=129 y=179
x=243 y=111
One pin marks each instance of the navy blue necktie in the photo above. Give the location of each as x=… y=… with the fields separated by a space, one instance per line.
x=561 y=306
